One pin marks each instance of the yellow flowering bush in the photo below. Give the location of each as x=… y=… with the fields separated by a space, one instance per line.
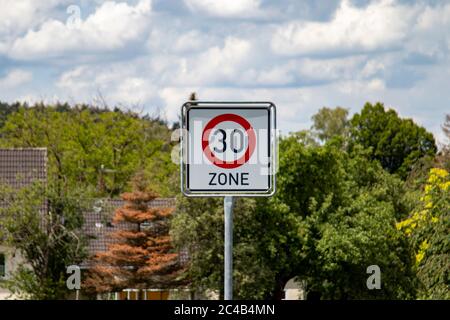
x=438 y=180
x=421 y=253
x=428 y=228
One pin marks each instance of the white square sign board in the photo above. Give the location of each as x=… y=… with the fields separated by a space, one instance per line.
x=228 y=148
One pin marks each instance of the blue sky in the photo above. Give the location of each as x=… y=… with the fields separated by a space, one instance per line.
x=302 y=55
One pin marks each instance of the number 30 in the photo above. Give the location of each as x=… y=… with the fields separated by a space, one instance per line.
x=232 y=140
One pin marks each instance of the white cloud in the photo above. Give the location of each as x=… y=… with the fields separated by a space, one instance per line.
x=15 y=78
x=225 y=8
x=173 y=98
x=111 y=27
x=329 y=69
x=17 y=16
x=192 y=40
x=279 y=75
x=372 y=67
x=133 y=90
x=216 y=65
x=431 y=36
x=292 y=104
x=382 y=24
x=432 y=17
x=330 y=54
x=122 y=83
x=183 y=42
x=369 y=88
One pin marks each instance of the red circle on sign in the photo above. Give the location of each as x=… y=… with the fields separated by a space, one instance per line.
x=251 y=141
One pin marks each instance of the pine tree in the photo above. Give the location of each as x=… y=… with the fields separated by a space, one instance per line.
x=142 y=256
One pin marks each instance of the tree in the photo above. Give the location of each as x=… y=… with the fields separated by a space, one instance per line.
x=446 y=126
x=352 y=238
x=142 y=256
x=198 y=226
x=396 y=143
x=6 y=109
x=44 y=226
x=320 y=225
x=427 y=228
x=98 y=149
x=328 y=123
x=444 y=156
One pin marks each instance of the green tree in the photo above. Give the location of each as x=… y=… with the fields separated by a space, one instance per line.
x=198 y=227
x=98 y=149
x=334 y=212
x=396 y=143
x=334 y=206
x=44 y=226
x=328 y=123
x=427 y=227
x=6 y=109
x=352 y=238
x=444 y=156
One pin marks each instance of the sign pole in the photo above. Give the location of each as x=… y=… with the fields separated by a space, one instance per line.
x=228 y=274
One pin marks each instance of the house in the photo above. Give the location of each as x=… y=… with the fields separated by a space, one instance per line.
x=18 y=168
x=21 y=167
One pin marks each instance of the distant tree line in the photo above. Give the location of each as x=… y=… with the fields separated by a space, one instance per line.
x=97 y=148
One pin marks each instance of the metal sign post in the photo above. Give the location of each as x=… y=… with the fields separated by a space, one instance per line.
x=228 y=149
x=228 y=204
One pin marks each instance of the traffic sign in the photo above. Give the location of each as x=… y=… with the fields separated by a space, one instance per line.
x=228 y=148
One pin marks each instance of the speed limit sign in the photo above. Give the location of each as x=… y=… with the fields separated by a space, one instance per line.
x=228 y=148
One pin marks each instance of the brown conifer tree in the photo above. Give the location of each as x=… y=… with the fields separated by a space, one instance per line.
x=141 y=256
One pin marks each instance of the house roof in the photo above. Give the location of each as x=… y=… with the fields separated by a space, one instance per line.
x=20 y=167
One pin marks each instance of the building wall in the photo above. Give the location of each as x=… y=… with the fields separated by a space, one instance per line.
x=13 y=260
x=295 y=290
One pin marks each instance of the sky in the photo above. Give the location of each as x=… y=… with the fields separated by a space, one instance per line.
x=149 y=55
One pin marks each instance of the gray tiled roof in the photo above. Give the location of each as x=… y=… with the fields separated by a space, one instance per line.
x=20 y=167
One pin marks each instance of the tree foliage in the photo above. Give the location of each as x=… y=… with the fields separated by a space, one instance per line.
x=340 y=207
x=198 y=226
x=428 y=227
x=396 y=143
x=328 y=123
x=98 y=149
x=329 y=233
x=444 y=156
x=43 y=224
x=334 y=215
